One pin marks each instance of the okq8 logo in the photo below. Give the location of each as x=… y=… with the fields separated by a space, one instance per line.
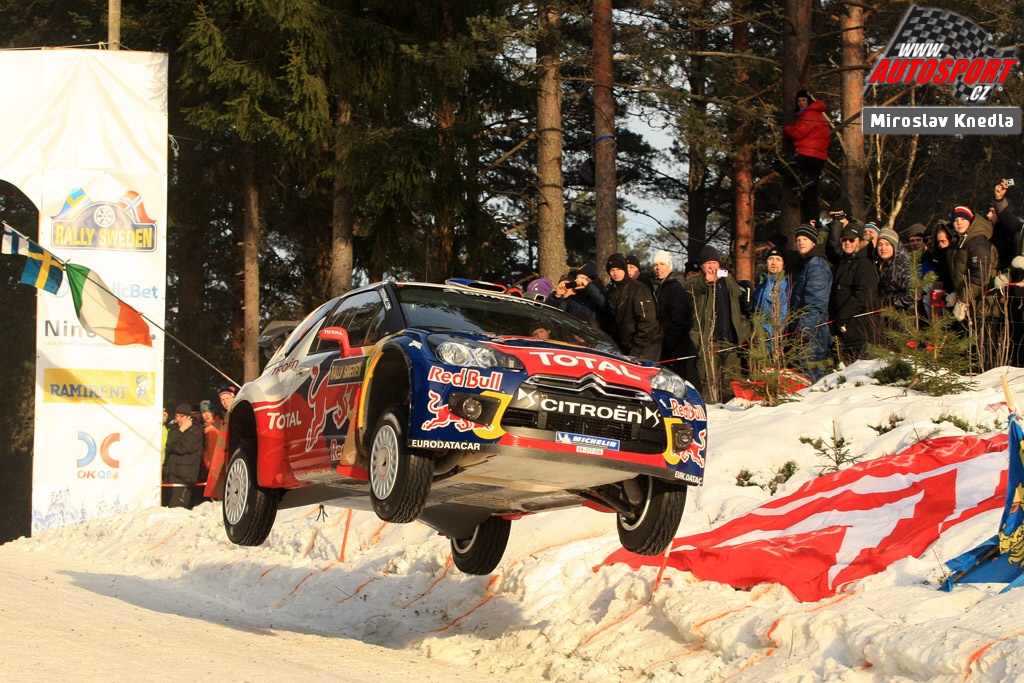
x=90 y=455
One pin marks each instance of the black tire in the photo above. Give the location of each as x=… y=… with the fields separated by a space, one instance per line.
x=656 y=519
x=399 y=478
x=249 y=509
x=481 y=553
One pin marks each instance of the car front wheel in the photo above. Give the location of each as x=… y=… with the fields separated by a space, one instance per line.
x=481 y=553
x=655 y=520
x=249 y=509
x=399 y=478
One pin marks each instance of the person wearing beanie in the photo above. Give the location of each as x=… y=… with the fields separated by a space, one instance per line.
x=854 y=303
x=718 y=327
x=790 y=257
x=673 y=316
x=590 y=292
x=563 y=297
x=915 y=237
x=691 y=270
x=634 y=271
x=811 y=136
x=771 y=297
x=840 y=215
x=634 y=316
x=812 y=284
x=708 y=253
x=869 y=234
x=894 y=281
x=973 y=265
x=184 y=459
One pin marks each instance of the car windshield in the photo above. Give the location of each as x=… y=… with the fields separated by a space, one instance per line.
x=472 y=311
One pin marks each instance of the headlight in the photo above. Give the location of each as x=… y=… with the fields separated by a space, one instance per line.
x=666 y=380
x=472 y=354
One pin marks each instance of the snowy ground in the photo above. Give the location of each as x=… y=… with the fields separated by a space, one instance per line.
x=142 y=595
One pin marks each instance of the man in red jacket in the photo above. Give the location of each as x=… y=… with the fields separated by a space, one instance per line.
x=811 y=136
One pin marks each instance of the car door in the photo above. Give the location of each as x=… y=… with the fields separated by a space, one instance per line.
x=331 y=394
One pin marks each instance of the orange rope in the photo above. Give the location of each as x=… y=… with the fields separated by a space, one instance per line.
x=281 y=602
x=447 y=566
x=974 y=658
x=163 y=541
x=269 y=570
x=358 y=588
x=375 y=539
x=490 y=589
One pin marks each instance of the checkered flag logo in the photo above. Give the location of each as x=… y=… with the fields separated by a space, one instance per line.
x=959 y=39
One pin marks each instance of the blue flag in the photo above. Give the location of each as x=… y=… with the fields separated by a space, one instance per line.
x=42 y=270
x=1000 y=559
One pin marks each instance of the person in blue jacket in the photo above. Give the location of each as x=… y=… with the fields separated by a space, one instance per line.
x=771 y=297
x=809 y=302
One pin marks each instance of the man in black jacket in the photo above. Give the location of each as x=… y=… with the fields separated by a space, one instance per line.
x=673 y=316
x=855 y=303
x=184 y=458
x=635 y=325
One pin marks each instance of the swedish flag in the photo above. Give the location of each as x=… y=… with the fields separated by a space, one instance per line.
x=42 y=270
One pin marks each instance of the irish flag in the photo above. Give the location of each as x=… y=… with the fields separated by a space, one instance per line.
x=102 y=313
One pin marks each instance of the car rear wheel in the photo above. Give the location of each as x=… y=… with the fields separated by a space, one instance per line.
x=655 y=520
x=481 y=553
x=249 y=509
x=399 y=478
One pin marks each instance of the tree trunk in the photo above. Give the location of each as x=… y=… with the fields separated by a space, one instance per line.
x=851 y=21
x=743 y=161
x=796 y=51
x=551 y=254
x=697 y=193
x=341 y=215
x=250 y=265
x=606 y=214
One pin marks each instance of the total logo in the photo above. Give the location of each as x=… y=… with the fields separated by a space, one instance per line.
x=282 y=420
x=90 y=455
x=575 y=360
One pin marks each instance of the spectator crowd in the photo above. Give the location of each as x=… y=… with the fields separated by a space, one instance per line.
x=823 y=299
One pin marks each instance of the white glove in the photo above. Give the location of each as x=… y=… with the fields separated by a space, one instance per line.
x=1018 y=262
x=1000 y=281
x=960 y=310
x=951 y=299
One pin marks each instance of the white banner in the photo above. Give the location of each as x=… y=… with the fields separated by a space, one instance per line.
x=87 y=143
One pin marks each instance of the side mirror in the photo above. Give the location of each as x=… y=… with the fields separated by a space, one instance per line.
x=337 y=334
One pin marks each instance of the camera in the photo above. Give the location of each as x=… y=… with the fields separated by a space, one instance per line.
x=1008 y=182
x=722 y=272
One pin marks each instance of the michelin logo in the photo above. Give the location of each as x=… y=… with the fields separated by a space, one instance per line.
x=583 y=440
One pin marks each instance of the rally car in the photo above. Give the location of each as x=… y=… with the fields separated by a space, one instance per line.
x=464 y=409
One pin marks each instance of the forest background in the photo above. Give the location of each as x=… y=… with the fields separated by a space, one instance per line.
x=316 y=145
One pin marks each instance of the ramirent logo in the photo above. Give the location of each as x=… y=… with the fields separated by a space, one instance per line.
x=467 y=378
x=936 y=46
x=584 y=440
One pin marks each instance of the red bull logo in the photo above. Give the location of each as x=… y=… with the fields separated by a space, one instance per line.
x=694 y=451
x=443 y=416
x=325 y=402
x=466 y=378
x=687 y=410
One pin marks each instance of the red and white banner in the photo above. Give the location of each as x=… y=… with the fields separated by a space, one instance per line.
x=843 y=527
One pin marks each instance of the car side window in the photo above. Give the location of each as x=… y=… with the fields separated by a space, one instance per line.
x=362 y=316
